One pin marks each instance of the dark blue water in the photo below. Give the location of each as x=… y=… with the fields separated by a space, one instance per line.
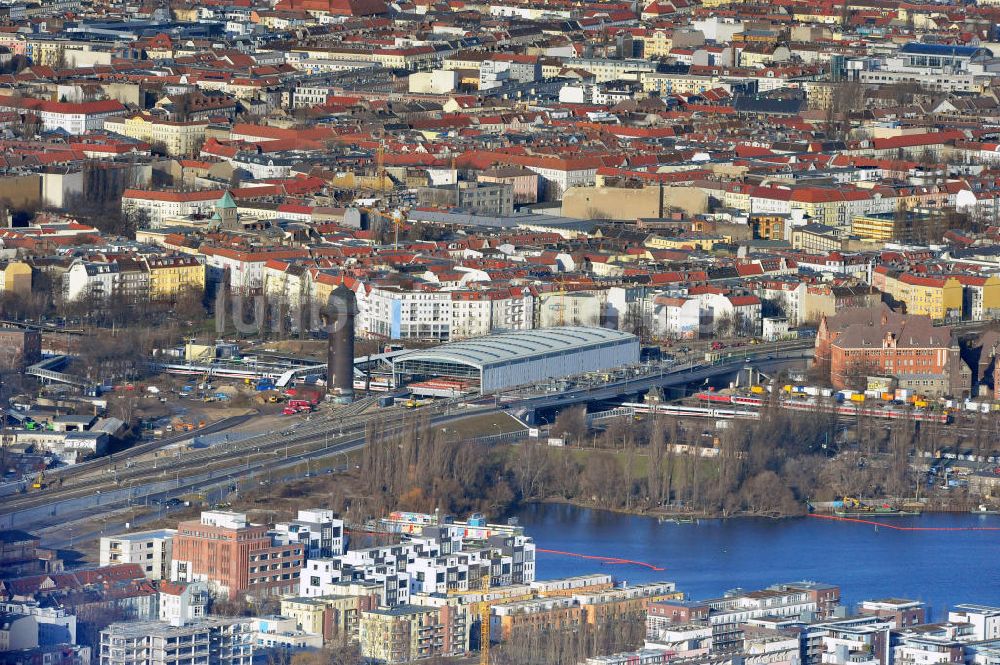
x=942 y=568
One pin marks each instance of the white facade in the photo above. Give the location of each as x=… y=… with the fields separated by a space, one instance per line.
x=320 y=533
x=149 y=549
x=59 y=189
x=984 y=619
x=578 y=308
x=160 y=208
x=222 y=641
x=677 y=317
x=181 y=604
x=89 y=279
x=399 y=314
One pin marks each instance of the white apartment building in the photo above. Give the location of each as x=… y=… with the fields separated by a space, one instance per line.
x=985 y=620
x=71 y=117
x=84 y=279
x=395 y=313
x=318 y=531
x=182 y=603
x=607 y=69
x=209 y=641
x=149 y=549
x=159 y=206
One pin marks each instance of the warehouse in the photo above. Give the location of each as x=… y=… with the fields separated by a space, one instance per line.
x=497 y=362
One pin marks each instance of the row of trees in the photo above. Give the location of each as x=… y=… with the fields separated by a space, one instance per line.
x=767 y=467
x=571 y=644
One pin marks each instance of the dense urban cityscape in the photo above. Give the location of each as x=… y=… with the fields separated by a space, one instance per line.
x=342 y=332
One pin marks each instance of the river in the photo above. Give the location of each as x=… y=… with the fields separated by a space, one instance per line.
x=942 y=567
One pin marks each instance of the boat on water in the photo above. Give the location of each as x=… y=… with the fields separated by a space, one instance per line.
x=880 y=512
x=983 y=510
x=678 y=520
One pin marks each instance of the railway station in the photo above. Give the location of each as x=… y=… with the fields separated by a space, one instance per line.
x=497 y=362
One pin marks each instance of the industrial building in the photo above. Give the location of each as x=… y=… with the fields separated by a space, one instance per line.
x=496 y=362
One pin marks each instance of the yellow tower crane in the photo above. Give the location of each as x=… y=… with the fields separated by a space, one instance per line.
x=380 y=168
x=483 y=610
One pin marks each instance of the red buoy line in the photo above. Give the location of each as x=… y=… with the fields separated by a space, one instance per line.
x=895 y=527
x=604 y=559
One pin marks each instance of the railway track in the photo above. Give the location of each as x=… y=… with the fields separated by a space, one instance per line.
x=299 y=438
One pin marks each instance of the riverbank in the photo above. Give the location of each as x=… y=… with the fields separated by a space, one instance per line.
x=942 y=562
x=936 y=506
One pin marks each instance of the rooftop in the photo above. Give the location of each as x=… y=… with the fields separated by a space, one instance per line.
x=520 y=346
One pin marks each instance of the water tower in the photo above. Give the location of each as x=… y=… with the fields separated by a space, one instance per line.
x=341 y=309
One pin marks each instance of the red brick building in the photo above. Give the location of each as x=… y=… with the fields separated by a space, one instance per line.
x=877 y=341
x=234 y=556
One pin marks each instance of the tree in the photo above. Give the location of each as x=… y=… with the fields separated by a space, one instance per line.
x=636 y=321
x=571 y=423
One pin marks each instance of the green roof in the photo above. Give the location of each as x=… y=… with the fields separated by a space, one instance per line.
x=226 y=202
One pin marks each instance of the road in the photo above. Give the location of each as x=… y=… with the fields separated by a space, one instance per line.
x=105 y=485
x=66 y=473
x=165 y=478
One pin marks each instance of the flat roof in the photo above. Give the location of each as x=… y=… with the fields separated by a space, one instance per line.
x=144 y=535
x=518 y=346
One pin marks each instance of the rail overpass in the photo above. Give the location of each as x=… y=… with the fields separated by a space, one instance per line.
x=527 y=407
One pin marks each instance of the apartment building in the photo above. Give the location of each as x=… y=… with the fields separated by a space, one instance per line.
x=337 y=614
x=170 y=276
x=602 y=607
x=936 y=296
x=608 y=69
x=205 y=642
x=157 y=206
x=545 y=614
x=70 y=117
x=17 y=631
x=841 y=641
x=177 y=139
x=728 y=614
x=324 y=577
x=318 y=531
x=149 y=549
x=901 y=613
x=484 y=198
x=183 y=603
x=403 y=633
x=19 y=348
x=567 y=586
x=234 y=556
x=984 y=619
x=15 y=277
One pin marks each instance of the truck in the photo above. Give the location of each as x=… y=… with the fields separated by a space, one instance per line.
x=300 y=405
x=716 y=346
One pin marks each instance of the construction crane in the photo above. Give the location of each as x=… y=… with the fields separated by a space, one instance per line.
x=380 y=168
x=397 y=218
x=483 y=610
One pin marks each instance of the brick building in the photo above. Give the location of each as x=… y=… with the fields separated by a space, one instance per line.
x=234 y=556
x=19 y=348
x=878 y=341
